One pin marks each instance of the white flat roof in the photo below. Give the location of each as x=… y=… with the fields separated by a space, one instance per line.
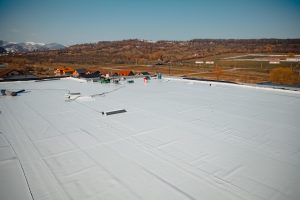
x=177 y=140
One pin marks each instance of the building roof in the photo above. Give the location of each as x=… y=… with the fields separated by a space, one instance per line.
x=80 y=71
x=145 y=73
x=179 y=139
x=125 y=73
x=65 y=69
x=4 y=72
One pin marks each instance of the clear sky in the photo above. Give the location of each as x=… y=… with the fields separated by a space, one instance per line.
x=80 y=21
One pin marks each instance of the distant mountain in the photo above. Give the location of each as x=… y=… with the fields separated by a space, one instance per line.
x=14 y=48
x=2 y=43
x=147 y=52
x=54 y=46
x=24 y=47
x=2 y=50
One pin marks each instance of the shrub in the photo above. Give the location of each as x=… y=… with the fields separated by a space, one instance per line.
x=284 y=75
x=218 y=72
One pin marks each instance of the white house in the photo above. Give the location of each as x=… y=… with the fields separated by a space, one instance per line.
x=297 y=59
x=209 y=62
x=275 y=61
x=199 y=62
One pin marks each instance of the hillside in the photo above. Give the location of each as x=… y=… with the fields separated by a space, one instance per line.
x=24 y=47
x=148 y=52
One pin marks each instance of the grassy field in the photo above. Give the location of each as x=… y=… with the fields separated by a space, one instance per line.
x=236 y=71
x=242 y=72
x=229 y=70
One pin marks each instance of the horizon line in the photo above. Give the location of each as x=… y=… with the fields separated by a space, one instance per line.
x=149 y=40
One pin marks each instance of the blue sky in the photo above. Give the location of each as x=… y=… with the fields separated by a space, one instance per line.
x=80 y=21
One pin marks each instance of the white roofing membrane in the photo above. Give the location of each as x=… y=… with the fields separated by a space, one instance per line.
x=177 y=140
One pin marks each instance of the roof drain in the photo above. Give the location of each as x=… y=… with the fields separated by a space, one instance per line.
x=114 y=112
x=72 y=96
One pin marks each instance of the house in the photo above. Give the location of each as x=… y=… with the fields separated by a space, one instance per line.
x=126 y=73
x=89 y=74
x=63 y=71
x=199 y=62
x=79 y=72
x=274 y=61
x=106 y=74
x=145 y=73
x=15 y=74
x=115 y=74
x=296 y=59
x=58 y=71
x=159 y=63
x=209 y=62
x=6 y=73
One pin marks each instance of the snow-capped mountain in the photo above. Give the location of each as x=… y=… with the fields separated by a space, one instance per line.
x=29 y=46
x=54 y=46
x=35 y=43
x=2 y=43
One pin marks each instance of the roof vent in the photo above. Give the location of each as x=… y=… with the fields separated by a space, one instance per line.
x=114 y=112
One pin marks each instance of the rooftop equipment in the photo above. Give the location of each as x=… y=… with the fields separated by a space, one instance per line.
x=11 y=93
x=114 y=112
x=159 y=76
x=104 y=80
x=72 y=96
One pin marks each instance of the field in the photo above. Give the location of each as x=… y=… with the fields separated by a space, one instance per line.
x=229 y=70
x=240 y=68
